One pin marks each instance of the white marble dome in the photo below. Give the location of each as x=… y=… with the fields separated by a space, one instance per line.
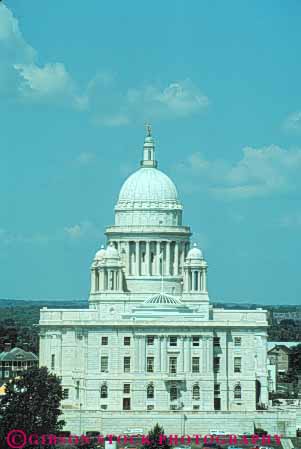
x=100 y=253
x=148 y=185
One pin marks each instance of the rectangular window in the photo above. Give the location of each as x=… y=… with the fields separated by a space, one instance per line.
x=127 y=364
x=104 y=406
x=126 y=388
x=150 y=364
x=126 y=404
x=216 y=364
x=217 y=389
x=237 y=364
x=77 y=390
x=217 y=403
x=150 y=407
x=173 y=365
x=6 y=373
x=195 y=340
x=150 y=340
x=195 y=364
x=104 y=364
x=237 y=341
x=66 y=393
x=216 y=342
x=127 y=341
x=52 y=361
x=196 y=407
x=104 y=341
x=173 y=340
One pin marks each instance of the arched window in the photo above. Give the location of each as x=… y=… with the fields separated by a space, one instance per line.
x=173 y=393
x=104 y=392
x=237 y=392
x=195 y=392
x=150 y=391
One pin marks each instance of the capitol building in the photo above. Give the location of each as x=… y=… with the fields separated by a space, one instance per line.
x=150 y=347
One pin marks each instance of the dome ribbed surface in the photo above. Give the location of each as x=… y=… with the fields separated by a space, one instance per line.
x=148 y=185
x=163 y=298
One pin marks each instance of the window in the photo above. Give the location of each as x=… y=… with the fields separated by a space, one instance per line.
x=237 y=341
x=126 y=404
x=196 y=407
x=237 y=364
x=195 y=364
x=150 y=407
x=127 y=341
x=172 y=365
x=173 y=392
x=237 y=392
x=217 y=389
x=104 y=364
x=216 y=342
x=6 y=373
x=150 y=391
x=104 y=341
x=66 y=393
x=195 y=341
x=217 y=403
x=143 y=257
x=104 y=406
x=127 y=364
x=195 y=392
x=150 y=340
x=216 y=364
x=126 y=388
x=104 y=392
x=77 y=390
x=173 y=341
x=52 y=361
x=150 y=364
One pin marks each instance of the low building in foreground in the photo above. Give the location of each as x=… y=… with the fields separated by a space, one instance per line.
x=14 y=362
x=150 y=347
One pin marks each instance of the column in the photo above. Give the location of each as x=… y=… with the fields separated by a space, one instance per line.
x=158 y=258
x=137 y=256
x=176 y=260
x=143 y=354
x=120 y=281
x=182 y=256
x=199 y=281
x=182 y=352
x=158 y=352
x=128 y=268
x=204 y=280
x=161 y=341
x=167 y=259
x=137 y=353
x=164 y=355
x=204 y=354
x=186 y=355
x=147 y=257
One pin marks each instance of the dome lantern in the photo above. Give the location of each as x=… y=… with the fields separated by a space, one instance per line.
x=149 y=150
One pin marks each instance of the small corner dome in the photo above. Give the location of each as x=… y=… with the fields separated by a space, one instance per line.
x=111 y=252
x=195 y=253
x=100 y=253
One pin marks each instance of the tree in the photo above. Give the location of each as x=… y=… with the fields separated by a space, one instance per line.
x=154 y=438
x=32 y=404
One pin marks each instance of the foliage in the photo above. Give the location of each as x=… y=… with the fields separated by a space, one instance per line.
x=32 y=403
x=154 y=439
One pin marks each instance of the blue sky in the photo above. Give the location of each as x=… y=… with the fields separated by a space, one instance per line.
x=220 y=83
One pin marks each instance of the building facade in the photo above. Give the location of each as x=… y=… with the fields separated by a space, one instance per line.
x=150 y=346
x=15 y=361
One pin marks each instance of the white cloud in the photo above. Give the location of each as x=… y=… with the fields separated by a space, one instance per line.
x=293 y=122
x=22 y=77
x=85 y=158
x=114 y=108
x=85 y=229
x=259 y=172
